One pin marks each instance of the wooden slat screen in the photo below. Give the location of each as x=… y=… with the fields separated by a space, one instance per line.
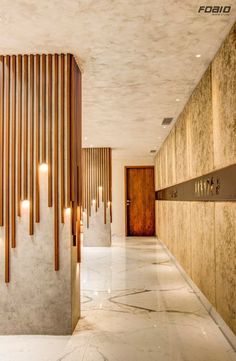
x=40 y=122
x=97 y=174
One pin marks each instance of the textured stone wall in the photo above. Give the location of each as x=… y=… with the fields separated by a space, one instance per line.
x=202 y=235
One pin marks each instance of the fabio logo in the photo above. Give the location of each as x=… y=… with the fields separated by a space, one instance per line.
x=215 y=10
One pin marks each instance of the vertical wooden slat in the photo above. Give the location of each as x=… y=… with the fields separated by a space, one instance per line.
x=68 y=135
x=107 y=174
x=31 y=144
x=83 y=182
x=62 y=135
x=101 y=167
x=25 y=120
x=1 y=140
x=55 y=165
x=90 y=180
x=43 y=108
x=110 y=183
x=37 y=138
x=19 y=132
x=92 y=174
x=13 y=151
x=98 y=165
x=97 y=185
x=7 y=157
x=73 y=177
x=105 y=186
x=49 y=73
x=78 y=234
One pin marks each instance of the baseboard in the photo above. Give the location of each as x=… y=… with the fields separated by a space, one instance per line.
x=225 y=329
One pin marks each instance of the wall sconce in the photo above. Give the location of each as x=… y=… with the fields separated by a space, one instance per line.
x=43 y=167
x=25 y=204
x=68 y=211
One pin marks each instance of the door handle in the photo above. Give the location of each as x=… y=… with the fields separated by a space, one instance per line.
x=128 y=202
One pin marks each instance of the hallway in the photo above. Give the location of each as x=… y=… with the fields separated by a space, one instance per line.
x=136 y=306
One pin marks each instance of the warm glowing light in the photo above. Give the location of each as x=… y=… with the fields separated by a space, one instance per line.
x=177 y=99
x=68 y=211
x=100 y=188
x=84 y=214
x=25 y=204
x=44 y=167
x=109 y=203
x=94 y=201
x=198 y=55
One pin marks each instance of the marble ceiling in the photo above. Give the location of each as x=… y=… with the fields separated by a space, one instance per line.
x=137 y=58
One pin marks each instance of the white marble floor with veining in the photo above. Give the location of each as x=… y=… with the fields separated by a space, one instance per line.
x=136 y=306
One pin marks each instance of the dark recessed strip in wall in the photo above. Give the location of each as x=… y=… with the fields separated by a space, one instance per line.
x=217 y=186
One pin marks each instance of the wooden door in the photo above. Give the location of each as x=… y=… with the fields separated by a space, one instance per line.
x=140 y=201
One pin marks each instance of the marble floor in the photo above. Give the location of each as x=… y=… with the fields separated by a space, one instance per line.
x=136 y=306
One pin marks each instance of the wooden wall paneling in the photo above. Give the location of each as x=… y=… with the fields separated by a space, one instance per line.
x=25 y=127
x=55 y=165
x=1 y=140
x=19 y=132
x=7 y=157
x=13 y=151
x=62 y=145
x=31 y=143
x=97 y=173
x=37 y=138
x=43 y=108
x=49 y=117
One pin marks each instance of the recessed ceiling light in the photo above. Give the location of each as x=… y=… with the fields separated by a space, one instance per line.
x=177 y=99
x=198 y=55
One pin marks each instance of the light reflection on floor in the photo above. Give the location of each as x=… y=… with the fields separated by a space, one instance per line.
x=136 y=306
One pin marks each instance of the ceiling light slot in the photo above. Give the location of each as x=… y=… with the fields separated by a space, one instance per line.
x=166 y=121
